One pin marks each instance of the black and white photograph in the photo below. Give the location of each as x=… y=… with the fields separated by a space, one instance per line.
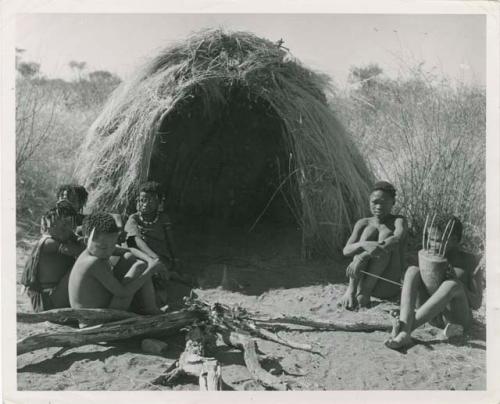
x=250 y=201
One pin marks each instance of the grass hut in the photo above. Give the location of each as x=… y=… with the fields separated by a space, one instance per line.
x=235 y=129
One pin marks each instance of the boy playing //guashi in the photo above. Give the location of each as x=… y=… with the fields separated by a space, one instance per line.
x=377 y=245
x=93 y=282
x=450 y=305
x=149 y=232
x=46 y=273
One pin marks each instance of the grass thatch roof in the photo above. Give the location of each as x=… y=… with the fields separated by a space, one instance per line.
x=330 y=173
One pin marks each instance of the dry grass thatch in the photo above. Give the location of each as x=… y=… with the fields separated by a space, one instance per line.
x=331 y=175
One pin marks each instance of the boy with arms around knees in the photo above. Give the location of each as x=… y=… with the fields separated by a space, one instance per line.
x=377 y=245
x=451 y=305
x=93 y=283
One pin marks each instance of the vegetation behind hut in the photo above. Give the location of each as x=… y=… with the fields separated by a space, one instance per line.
x=382 y=115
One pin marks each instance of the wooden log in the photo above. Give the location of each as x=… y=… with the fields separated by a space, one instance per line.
x=193 y=362
x=251 y=358
x=358 y=326
x=97 y=316
x=211 y=376
x=123 y=329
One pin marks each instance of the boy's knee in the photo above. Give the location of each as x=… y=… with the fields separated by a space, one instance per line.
x=140 y=266
x=127 y=256
x=412 y=272
x=452 y=285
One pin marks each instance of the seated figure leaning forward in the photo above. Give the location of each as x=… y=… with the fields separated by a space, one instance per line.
x=46 y=273
x=95 y=283
x=377 y=246
x=450 y=305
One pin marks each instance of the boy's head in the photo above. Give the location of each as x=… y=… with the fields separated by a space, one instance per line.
x=75 y=194
x=59 y=222
x=382 y=199
x=149 y=197
x=101 y=232
x=436 y=234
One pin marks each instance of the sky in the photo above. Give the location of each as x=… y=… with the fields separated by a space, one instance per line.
x=450 y=45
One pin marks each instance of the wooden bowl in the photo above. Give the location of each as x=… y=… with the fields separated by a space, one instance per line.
x=432 y=270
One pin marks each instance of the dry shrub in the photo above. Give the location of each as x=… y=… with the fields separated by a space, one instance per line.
x=427 y=136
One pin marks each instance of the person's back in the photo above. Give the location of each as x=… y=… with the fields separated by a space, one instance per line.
x=85 y=290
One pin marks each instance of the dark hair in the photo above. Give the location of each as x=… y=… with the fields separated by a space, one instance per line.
x=151 y=187
x=385 y=187
x=78 y=190
x=82 y=193
x=101 y=222
x=441 y=221
x=61 y=210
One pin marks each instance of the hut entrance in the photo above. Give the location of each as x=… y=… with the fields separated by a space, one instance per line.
x=221 y=169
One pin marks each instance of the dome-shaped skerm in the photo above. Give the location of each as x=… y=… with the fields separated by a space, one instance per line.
x=234 y=128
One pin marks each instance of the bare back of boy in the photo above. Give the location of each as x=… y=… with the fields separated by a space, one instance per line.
x=85 y=288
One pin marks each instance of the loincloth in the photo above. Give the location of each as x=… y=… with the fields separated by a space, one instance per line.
x=41 y=299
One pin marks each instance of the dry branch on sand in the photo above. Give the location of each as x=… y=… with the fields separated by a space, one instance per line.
x=197 y=81
x=204 y=323
x=94 y=316
x=117 y=330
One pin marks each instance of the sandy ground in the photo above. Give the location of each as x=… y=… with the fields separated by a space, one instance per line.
x=273 y=281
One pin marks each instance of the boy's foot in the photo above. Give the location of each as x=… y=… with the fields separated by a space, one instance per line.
x=453 y=330
x=402 y=340
x=363 y=300
x=348 y=301
x=397 y=324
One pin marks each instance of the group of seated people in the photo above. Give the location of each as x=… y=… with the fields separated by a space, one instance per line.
x=79 y=262
x=93 y=262
x=377 y=246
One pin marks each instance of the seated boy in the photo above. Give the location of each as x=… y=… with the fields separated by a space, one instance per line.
x=45 y=276
x=377 y=245
x=452 y=302
x=93 y=282
x=149 y=232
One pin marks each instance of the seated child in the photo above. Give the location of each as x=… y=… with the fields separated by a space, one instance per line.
x=149 y=232
x=377 y=245
x=94 y=283
x=451 y=304
x=45 y=276
x=76 y=195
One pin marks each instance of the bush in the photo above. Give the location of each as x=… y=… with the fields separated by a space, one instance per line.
x=52 y=117
x=427 y=136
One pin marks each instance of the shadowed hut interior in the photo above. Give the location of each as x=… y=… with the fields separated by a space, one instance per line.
x=224 y=168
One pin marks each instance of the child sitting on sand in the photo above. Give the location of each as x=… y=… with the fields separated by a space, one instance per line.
x=377 y=245
x=46 y=273
x=94 y=283
x=149 y=232
x=450 y=305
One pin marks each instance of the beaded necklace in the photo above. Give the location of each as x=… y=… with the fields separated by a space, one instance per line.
x=149 y=223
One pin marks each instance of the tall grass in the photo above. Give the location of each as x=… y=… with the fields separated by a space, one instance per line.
x=426 y=135
x=52 y=117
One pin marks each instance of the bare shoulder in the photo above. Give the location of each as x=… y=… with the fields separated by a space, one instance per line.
x=87 y=262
